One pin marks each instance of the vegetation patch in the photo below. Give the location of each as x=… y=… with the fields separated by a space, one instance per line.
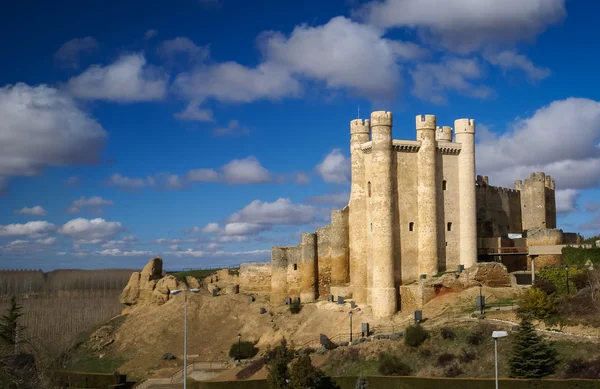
x=415 y=335
x=243 y=350
x=579 y=256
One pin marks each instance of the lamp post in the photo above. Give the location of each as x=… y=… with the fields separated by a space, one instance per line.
x=480 y=299
x=239 y=352
x=185 y=292
x=350 y=314
x=567 y=275
x=495 y=336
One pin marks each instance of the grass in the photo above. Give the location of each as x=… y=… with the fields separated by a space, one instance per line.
x=81 y=358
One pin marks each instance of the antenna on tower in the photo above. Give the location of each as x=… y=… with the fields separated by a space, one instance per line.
x=358 y=115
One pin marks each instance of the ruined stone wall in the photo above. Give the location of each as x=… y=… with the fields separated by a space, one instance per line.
x=255 y=277
x=498 y=210
x=324 y=259
x=285 y=278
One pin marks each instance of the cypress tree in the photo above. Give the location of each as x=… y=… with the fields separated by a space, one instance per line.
x=279 y=374
x=304 y=375
x=531 y=356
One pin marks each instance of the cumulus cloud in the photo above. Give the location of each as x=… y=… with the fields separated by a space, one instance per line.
x=33 y=211
x=466 y=25
x=169 y=49
x=69 y=53
x=42 y=127
x=233 y=129
x=32 y=229
x=121 y=253
x=566 y=200
x=90 y=231
x=335 y=168
x=193 y=112
x=202 y=175
x=243 y=229
x=509 y=59
x=340 y=199
x=433 y=81
x=158 y=181
x=301 y=179
x=200 y=253
x=94 y=204
x=211 y=228
x=281 y=211
x=127 y=182
x=245 y=171
x=129 y=79
x=543 y=142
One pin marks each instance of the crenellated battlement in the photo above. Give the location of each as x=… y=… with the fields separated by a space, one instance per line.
x=426 y=122
x=536 y=177
x=444 y=134
x=482 y=181
x=550 y=184
x=464 y=126
x=360 y=126
x=381 y=118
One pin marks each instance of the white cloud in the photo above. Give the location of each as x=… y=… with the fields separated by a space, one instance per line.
x=431 y=82
x=301 y=179
x=32 y=229
x=129 y=79
x=33 y=211
x=335 y=168
x=281 y=211
x=509 y=59
x=47 y=241
x=199 y=253
x=94 y=204
x=69 y=53
x=465 y=25
x=545 y=142
x=42 y=127
x=245 y=171
x=120 y=253
x=202 y=175
x=233 y=129
x=346 y=52
x=566 y=200
x=194 y=112
x=126 y=182
x=89 y=231
x=151 y=33
x=243 y=229
x=182 y=45
x=336 y=199
x=211 y=228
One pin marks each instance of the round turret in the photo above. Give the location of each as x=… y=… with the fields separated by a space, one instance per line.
x=360 y=126
x=426 y=122
x=464 y=126
x=444 y=134
x=381 y=118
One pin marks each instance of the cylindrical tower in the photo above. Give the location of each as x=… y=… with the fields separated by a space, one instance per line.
x=444 y=134
x=279 y=264
x=384 y=295
x=427 y=196
x=308 y=267
x=464 y=130
x=339 y=247
x=357 y=216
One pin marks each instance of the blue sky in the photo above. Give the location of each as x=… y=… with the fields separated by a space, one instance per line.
x=207 y=131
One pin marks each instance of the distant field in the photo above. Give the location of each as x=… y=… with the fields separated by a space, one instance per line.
x=61 y=304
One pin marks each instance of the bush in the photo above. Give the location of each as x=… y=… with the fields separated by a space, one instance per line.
x=581 y=280
x=558 y=276
x=467 y=356
x=415 y=335
x=168 y=356
x=246 y=350
x=303 y=375
x=579 y=256
x=445 y=359
x=295 y=307
x=535 y=302
x=392 y=365
x=278 y=366
x=475 y=338
x=425 y=352
x=453 y=371
x=447 y=333
x=547 y=286
x=251 y=369
x=579 y=368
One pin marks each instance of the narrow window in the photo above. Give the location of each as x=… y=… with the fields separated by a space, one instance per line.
x=444 y=185
x=411 y=226
x=371 y=227
x=295 y=266
x=369 y=188
x=449 y=226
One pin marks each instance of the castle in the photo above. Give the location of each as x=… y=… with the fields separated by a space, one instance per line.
x=416 y=209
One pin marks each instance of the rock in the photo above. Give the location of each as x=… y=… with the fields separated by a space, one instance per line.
x=102 y=337
x=153 y=269
x=212 y=287
x=164 y=286
x=232 y=289
x=486 y=273
x=130 y=294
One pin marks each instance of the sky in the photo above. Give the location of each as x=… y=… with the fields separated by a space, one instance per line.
x=207 y=131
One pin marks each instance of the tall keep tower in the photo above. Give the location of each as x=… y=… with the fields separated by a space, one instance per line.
x=465 y=135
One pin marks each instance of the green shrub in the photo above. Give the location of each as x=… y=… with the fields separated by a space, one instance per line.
x=579 y=256
x=535 y=302
x=415 y=335
x=582 y=369
x=467 y=356
x=392 y=365
x=445 y=359
x=543 y=284
x=475 y=338
x=278 y=366
x=295 y=307
x=447 y=333
x=303 y=375
x=558 y=276
x=453 y=371
x=246 y=350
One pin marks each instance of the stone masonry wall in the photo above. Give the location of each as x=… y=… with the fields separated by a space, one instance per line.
x=498 y=210
x=255 y=277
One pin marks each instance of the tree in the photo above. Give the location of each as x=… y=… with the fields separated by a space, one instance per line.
x=304 y=375
x=531 y=356
x=9 y=324
x=279 y=374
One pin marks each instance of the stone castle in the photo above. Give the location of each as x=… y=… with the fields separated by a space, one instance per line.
x=416 y=209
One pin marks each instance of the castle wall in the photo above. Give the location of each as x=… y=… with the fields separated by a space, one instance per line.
x=307 y=268
x=498 y=210
x=407 y=214
x=324 y=260
x=448 y=211
x=255 y=277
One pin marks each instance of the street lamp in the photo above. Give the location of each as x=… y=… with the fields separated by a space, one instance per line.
x=350 y=314
x=480 y=299
x=239 y=352
x=176 y=292
x=495 y=336
x=567 y=274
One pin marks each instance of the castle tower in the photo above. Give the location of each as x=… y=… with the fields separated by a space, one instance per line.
x=339 y=247
x=308 y=267
x=384 y=295
x=464 y=130
x=357 y=215
x=444 y=134
x=426 y=191
x=538 y=204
